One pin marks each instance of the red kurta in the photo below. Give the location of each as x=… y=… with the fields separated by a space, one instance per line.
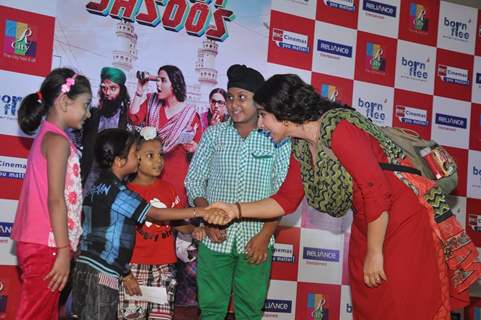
x=413 y=288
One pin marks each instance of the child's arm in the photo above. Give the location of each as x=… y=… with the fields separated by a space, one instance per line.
x=186 y=228
x=55 y=148
x=131 y=285
x=256 y=248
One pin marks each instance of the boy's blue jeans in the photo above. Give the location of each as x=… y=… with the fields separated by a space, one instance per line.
x=92 y=300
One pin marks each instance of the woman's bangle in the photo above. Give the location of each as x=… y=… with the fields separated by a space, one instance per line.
x=239 y=209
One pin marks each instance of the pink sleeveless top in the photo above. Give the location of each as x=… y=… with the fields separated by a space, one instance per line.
x=32 y=220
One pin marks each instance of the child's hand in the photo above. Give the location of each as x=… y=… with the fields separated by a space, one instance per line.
x=131 y=285
x=215 y=234
x=58 y=276
x=256 y=248
x=199 y=233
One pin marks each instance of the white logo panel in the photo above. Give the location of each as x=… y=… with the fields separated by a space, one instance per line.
x=415 y=67
x=457 y=27
x=379 y=17
x=334 y=50
x=450 y=122
x=374 y=101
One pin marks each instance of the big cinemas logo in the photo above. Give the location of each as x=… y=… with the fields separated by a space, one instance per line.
x=317 y=307
x=290 y=40
x=283 y=252
x=20 y=40
x=411 y=115
x=379 y=9
x=418 y=21
x=13 y=168
x=346 y=5
x=374 y=59
x=454 y=75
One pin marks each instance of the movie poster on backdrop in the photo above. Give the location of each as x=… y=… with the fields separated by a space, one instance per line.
x=201 y=38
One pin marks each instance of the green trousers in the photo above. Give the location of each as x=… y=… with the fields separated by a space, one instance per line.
x=218 y=274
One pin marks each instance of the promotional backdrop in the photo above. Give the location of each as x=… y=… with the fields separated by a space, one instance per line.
x=407 y=63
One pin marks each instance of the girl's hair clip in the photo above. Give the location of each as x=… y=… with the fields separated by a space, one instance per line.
x=69 y=82
x=148 y=133
x=39 y=97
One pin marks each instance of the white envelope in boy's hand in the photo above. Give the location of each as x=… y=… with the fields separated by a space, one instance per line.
x=150 y=294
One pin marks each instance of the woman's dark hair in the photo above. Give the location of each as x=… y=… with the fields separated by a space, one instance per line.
x=289 y=98
x=111 y=143
x=177 y=79
x=36 y=105
x=218 y=90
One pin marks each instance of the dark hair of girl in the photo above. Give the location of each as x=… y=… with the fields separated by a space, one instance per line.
x=35 y=106
x=177 y=79
x=289 y=98
x=140 y=141
x=112 y=143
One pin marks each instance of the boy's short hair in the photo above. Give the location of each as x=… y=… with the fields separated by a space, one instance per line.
x=111 y=143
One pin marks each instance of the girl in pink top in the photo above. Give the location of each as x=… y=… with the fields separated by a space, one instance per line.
x=47 y=223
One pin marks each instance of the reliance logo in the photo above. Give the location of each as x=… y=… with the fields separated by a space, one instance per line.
x=379 y=8
x=278 y=306
x=347 y=5
x=334 y=48
x=451 y=121
x=412 y=116
x=453 y=75
x=290 y=40
x=5 y=229
x=417 y=14
x=321 y=254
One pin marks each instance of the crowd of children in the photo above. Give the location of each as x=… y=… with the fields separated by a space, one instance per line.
x=119 y=233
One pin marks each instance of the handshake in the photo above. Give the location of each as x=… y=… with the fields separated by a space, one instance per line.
x=220 y=213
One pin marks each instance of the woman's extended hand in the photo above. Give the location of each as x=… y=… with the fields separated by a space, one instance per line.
x=374 y=269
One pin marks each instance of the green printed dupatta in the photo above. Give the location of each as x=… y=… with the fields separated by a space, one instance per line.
x=328 y=189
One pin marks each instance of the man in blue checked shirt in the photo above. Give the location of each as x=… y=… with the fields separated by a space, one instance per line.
x=235 y=162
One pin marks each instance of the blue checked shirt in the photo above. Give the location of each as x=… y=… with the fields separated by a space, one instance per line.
x=229 y=168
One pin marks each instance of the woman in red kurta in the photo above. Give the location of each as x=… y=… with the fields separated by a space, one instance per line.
x=397 y=268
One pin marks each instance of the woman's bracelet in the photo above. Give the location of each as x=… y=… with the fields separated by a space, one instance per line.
x=239 y=209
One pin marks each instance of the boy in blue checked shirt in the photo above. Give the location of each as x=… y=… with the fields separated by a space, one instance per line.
x=235 y=162
x=112 y=213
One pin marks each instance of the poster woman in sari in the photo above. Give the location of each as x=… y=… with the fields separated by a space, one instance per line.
x=177 y=122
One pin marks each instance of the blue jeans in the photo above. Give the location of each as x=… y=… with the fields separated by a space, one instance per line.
x=92 y=300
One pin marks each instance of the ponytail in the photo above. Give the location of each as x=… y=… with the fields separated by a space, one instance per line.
x=31 y=112
x=35 y=106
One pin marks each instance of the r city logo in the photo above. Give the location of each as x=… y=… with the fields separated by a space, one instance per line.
x=18 y=40
x=329 y=92
x=418 y=21
x=375 y=57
